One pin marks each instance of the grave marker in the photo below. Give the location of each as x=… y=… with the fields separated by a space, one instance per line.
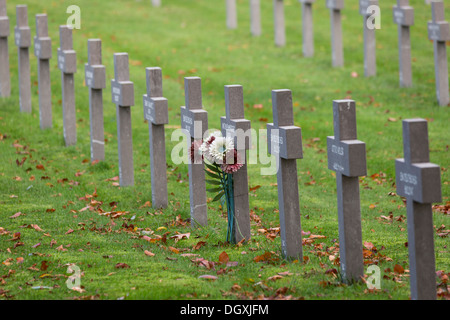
x=439 y=32
x=285 y=142
x=194 y=120
x=255 y=17
x=337 y=48
x=278 y=13
x=347 y=157
x=43 y=52
x=5 y=81
x=156 y=3
x=157 y=114
x=231 y=14
x=122 y=92
x=308 y=27
x=234 y=125
x=67 y=63
x=420 y=182
x=404 y=17
x=370 y=60
x=95 y=78
x=22 y=39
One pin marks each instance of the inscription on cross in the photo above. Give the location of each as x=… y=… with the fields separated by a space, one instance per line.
x=43 y=51
x=194 y=120
x=22 y=38
x=235 y=126
x=156 y=112
x=67 y=63
x=122 y=92
x=439 y=32
x=336 y=6
x=347 y=157
x=420 y=182
x=5 y=81
x=285 y=143
x=95 y=78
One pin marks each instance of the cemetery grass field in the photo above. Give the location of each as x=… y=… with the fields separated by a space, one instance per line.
x=57 y=208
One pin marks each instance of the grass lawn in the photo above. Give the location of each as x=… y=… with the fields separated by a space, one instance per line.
x=57 y=208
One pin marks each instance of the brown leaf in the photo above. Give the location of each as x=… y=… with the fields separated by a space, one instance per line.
x=399 y=269
x=224 y=258
x=69 y=231
x=18 y=214
x=44 y=265
x=122 y=266
x=40 y=167
x=174 y=250
x=148 y=253
x=36 y=227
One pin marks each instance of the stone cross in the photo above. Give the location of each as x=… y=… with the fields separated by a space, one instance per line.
x=420 y=182
x=156 y=112
x=308 y=27
x=43 y=52
x=5 y=81
x=122 y=91
x=370 y=60
x=404 y=17
x=231 y=14
x=278 y=14
x=22 y=38
x=156 y=3
x=337 y=48
x=235 y=126
x=194 y=120
x=95 y=78
x=67 y=63
x=347 y=157
x=439 y=32
x=285 y=142
x=255 y=17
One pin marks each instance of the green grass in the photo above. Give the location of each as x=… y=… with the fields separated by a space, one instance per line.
x=189 y=38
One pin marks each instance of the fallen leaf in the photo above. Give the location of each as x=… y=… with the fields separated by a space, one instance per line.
x=223 y=258
x=148 y=253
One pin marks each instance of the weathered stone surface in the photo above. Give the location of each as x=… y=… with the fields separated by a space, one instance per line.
x=286 y=147
x=337 y=47
x=279 y=27
x=5 y=81
x=347 y=157
x=420 y=182
x=403 y=15
x=157 y=114
x=123 y=96
x=231 y=14
x=22 y=36
x=194 y=120
x=67 y=63
x=43 y=52
x=235 y=126
x=370 y=63
x=255 y=18
x=308 y=27
x=439 y=32
x=95 y=78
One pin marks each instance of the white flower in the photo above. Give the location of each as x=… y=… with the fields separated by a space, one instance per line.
x=219 y=147
x=204 y=148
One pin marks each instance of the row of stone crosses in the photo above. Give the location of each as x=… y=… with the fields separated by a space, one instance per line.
x=403 y=16
x=416 y=178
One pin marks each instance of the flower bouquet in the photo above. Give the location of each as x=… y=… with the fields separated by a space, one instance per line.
x=221 y=160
